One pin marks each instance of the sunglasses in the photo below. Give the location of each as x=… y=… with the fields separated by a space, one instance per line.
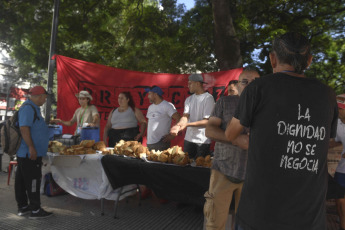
x=244 y=82
x=82 y=98
x=233 y=82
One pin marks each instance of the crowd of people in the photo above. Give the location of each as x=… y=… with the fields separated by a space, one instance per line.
x=265 y=170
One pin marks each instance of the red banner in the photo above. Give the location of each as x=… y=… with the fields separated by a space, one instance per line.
x=105 y=83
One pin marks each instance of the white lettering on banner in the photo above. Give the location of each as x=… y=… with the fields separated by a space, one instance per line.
x=303 y=151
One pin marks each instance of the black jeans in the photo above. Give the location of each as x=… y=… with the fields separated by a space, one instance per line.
x=28 y=182
x=115 y=135
x=161 y=146
x=195 y=150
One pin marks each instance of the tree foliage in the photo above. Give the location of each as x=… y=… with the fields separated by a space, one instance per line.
x=257 y=24
x=143 y=35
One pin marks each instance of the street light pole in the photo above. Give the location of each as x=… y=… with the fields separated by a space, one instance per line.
x=51 y=63
x=8 y=99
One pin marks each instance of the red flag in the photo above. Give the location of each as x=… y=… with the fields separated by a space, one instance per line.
x=105 y=83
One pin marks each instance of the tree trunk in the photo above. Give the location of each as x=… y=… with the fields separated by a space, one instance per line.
x=227 y=45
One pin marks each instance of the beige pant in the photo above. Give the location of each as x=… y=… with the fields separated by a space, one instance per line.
x=218 y=200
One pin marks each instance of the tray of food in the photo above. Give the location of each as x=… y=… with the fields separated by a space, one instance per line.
x=85 y=147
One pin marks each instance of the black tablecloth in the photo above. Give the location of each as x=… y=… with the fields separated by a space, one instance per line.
x=176 y=183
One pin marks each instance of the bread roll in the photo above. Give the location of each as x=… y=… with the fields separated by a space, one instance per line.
x=200 y=161
x=99 y=145
x=87 y=143
x=90 y=151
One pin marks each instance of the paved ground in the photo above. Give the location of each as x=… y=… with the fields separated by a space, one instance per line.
x=74 y=213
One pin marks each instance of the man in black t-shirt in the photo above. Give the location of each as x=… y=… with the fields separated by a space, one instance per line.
x=291 y=120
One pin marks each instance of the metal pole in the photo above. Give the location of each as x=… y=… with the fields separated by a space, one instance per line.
x=51 y=63
x=8 y=99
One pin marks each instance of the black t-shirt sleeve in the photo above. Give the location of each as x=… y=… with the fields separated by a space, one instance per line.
x=246 y=106
x=335 y=119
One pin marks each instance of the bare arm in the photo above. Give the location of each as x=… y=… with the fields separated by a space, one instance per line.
x=333 y=143
x=213 y=130
x=95 y=120
x=26 y=134
x=233 y=130
x=179 y=120
x=242 y=141
x=107 y=127
x=201 y=123
x=175 y=129
x=67 y=123
x=176 y=116
x=143 y=123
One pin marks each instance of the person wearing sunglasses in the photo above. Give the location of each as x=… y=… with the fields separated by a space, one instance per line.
x=86 y=115
x=291 y=120
x=230 y=159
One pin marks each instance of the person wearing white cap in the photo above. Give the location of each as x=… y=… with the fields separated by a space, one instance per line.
x=86 y=115
x=197 y=109
x=339 y=175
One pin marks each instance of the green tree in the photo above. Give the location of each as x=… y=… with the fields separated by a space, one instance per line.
x=144 y=36
x=257 y=23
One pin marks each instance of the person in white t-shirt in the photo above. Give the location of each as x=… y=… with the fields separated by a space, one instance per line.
x=197 y=109
x=159 y=116
x=339 y=175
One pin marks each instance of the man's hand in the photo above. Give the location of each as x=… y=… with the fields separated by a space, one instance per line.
x=183 y=126
x=55 y=121
x=33 y=153
x=174 y=130
x=242 y=141
x=137 y=137
x=167 y=138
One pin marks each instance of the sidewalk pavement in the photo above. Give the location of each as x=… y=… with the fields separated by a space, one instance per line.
x=74 y=213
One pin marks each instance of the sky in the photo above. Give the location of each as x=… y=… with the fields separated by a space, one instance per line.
x=188 y=3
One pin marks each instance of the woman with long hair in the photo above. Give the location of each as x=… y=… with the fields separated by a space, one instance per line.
x=123 y=122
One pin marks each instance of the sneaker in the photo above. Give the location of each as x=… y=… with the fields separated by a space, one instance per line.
x=24 y=211
x=40 y=214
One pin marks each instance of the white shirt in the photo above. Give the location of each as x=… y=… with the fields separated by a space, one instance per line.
x=198 y=107
x=159 y=121
x=341 y=138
